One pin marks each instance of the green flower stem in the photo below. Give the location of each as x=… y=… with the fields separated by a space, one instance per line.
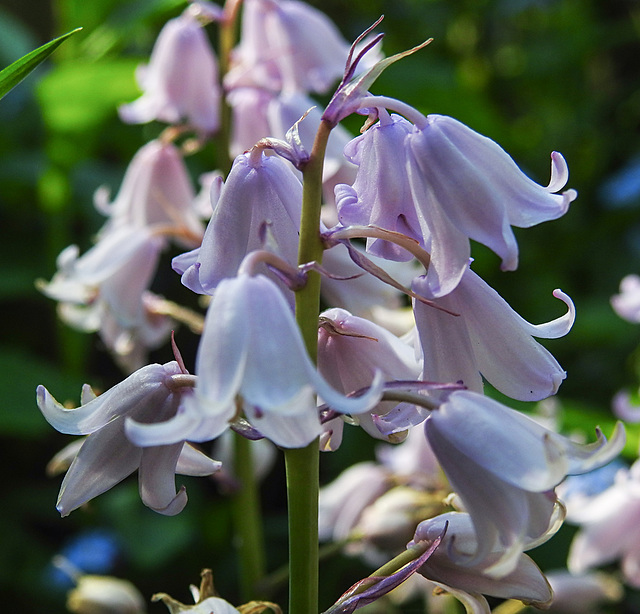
x=302 y=463
x=248 y=520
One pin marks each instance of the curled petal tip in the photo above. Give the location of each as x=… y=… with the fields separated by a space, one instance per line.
x=559 y=172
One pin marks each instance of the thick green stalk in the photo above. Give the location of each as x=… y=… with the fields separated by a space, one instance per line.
x=248 y=520
x=302 y=463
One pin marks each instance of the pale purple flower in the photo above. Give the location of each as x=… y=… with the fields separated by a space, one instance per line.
x=105 y=290
x=471 y=181
x=610 y=528
x=487 y=337
x=350 y=351
x=627 y=303
x=469 y=583
x=156 y=192
x=151 y=394
x=260 y=190
x=454 y=185
x=249 y=106
x=342 y=501
x=587 y=593
x=181 y=81
x=286 y=44
x=625 y=408
x=381 y=194
x=252 y=356
x=504 y=466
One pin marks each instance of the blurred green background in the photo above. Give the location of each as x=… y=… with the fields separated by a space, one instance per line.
x=534 y=75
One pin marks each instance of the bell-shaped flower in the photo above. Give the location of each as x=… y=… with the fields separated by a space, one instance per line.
x=381 y=195
x=156 y=192
x=609 y=528
x=469 y=583
x=350 y=351
x=107 y=456
x=286 y=44
x=588 y=593
x=260 y=191
x=342 y=501
x=252 y=349
x=249 y=106
x=487 y=336
x=627 y=303
x=504 y=466
x=448 y=184
x=468 y=187
x=105 y=290
x=181 y=81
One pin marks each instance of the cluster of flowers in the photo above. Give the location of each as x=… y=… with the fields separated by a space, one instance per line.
x=418 y=189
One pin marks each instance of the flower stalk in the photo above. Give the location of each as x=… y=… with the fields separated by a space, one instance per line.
x=302 y=464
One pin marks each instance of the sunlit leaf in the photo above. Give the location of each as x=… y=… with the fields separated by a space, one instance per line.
x=16 y=72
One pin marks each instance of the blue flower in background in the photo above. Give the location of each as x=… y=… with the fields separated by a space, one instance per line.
x=623 y=188
x=592 y=483
x=92 y=552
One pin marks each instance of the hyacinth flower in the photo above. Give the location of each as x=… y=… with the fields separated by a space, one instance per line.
x=386 y=202
x=107 y=456
x=350 y=351
x=181 y=81
x=461 y=184
x=260 y=191
x=105 y=290
x=469 y=583
x=487 y=337
x=156 y=192
x=609 y=528
x=286 y=44
x=627 y=303
x=252 y=357
x=504 y=466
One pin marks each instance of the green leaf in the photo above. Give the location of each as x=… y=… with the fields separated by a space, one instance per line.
x=16 y=72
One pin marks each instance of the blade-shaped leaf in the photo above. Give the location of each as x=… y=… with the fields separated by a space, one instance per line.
x=16 y=72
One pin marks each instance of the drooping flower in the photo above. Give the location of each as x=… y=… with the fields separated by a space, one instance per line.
x=487 y=337
x=252 y=357
x=468 y=187
x=156 y=192
x=260 y=190
x=381 y=194
x=609 y=528
x=286 y=44
x=469 y=583
x=448 y=184
x=181 y=81
x=107 y=456
x=105 y=290
x=587 y=593
x=350 y=351
x=504 y=466
x=627 y=303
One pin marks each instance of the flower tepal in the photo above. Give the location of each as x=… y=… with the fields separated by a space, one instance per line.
x=252 y=351
x=504 y=466
x=106 y=457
